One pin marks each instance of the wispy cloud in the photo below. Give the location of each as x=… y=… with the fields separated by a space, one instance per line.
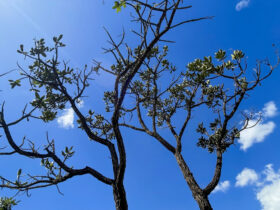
x=267 y=185
x=222 y=187
x=66 y=120
x=258 y=131
x=242 y=4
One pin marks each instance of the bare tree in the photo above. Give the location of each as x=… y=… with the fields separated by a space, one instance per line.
x=55 y=84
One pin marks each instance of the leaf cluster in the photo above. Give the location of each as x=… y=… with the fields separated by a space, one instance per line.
x=45 y=76
x=7 y=203
x=119 y=4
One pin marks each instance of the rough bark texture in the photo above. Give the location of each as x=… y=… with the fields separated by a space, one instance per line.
x=203 y=202
x=198 y=194
x=120 y=197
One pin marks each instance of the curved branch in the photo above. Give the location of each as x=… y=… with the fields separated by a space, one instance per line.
x=72 y=172
x=216 y=178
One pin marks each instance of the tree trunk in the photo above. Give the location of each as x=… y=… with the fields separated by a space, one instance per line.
x=120 y=197
x=203 y=202
x=198 y=194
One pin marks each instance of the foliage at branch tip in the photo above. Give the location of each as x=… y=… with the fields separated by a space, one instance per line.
x=7 y=203
x=118 y=5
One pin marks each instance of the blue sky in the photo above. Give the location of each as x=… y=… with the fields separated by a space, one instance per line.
x=251 y=175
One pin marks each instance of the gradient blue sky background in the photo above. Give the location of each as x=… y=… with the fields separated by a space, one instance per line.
x=153 y=180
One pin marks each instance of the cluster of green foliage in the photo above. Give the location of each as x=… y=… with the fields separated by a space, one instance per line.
x=7 y=203
x=119 y=4
x=47 y=98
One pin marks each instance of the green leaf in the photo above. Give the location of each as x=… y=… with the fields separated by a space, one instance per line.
x=37 y=95
x=123 y=4
x=116 y=5
x=237 y=55
x=14 y=83
x=119 y=4
x=220 y=55
x=60 y=37
x=19 y=173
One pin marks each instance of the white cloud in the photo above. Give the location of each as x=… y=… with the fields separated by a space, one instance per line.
x=222 y=187
x=255 y=133
x=269 y=196
x=258 y=131
x=246 y=177
x=268 y=188
x=66 y=120
x=242 y=4
x=270 y=109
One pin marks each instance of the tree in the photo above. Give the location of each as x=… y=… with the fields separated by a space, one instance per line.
x=218 y=84
x=55 y=84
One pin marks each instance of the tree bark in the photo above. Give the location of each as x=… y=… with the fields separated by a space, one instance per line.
x=203 y=202
x=120 y=197
x=198 y=194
